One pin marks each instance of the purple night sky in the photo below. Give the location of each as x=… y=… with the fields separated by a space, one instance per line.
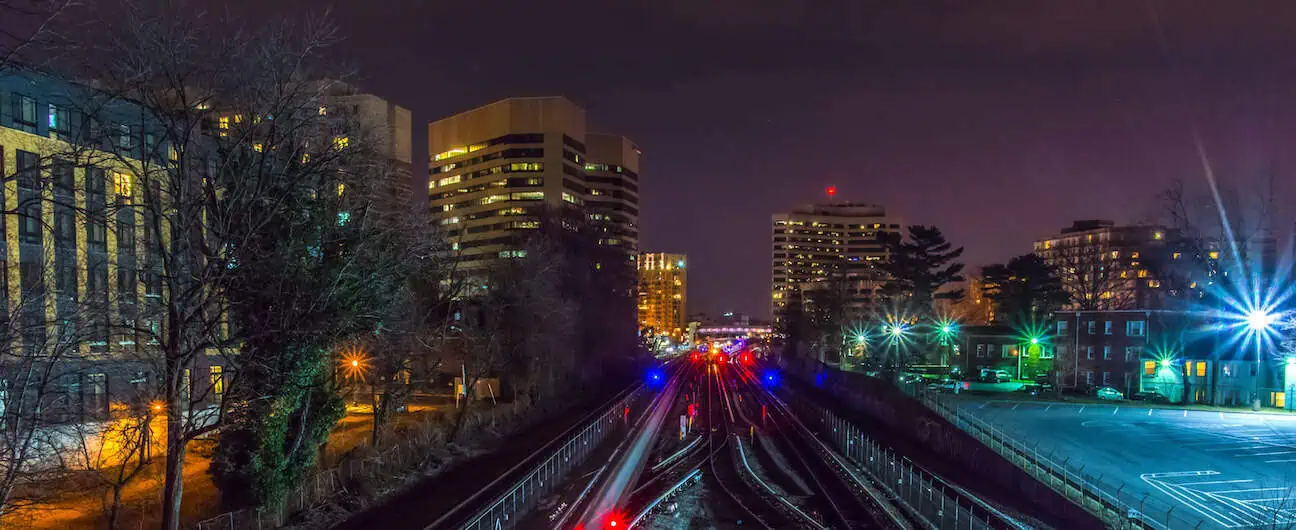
x=997 y=123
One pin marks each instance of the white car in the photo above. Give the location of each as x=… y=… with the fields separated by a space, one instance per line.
x=1110 y=393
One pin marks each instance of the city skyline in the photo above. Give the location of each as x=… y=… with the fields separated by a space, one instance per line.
x=967 y=120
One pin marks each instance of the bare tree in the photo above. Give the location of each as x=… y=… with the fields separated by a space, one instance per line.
x=1098 y=282
x=1223 y=228
x=224 y=155
x=117 y=451
x=411 y=343
x=27 y=28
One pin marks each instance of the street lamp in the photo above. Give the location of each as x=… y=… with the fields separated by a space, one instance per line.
x=1258 y=322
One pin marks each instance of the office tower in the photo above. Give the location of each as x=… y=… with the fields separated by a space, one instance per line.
x=612 y=175
x=663 y=293
x=835 y=246
x=495 y=170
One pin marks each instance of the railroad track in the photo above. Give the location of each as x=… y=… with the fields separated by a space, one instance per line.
x=841 y=497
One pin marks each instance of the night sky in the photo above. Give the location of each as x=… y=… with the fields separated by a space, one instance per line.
x=998 y=123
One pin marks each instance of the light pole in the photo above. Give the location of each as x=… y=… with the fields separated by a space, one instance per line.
x=1258 y=322
x=946 y=331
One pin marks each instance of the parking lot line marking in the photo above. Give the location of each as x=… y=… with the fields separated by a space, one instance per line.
x=1280 y=460
x=1114 y=411
x=1238 y=481
x=1270 y=453
x=1081 y=410
x=1235 y=448
x=1015 y=406
x=1221 y=415
x=1187 y=496
x=1149 y=412
x=1046 y=409
x=1246 y=490
x=1185 y=413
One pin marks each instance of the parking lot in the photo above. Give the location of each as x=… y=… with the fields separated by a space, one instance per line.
x=1226 y=470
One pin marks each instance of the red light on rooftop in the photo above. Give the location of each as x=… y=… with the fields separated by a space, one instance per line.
x=831 y=191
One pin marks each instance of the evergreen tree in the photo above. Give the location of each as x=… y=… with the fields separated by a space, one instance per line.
x=920 y=267
x=1024 y=291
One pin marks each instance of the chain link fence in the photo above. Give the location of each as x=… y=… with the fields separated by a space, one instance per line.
x=411 y=452
x=1117 y=505
x=925 y=494
x=322 y=485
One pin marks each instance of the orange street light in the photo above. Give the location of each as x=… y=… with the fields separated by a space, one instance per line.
x=354 y=364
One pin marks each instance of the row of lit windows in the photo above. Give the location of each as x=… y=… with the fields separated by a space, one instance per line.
x=507 y=168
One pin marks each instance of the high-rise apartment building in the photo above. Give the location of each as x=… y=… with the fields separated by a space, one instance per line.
x=612 y=175
x=1107 y=267
x=663 y=293
x=496 y=169
x=829 y=246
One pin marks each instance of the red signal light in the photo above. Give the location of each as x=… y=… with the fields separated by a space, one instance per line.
x=613 y=521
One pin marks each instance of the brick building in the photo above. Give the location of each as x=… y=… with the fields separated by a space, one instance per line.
x=1002 y=348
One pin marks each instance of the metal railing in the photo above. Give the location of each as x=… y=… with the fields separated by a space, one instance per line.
x=508 y=509
x=1115 y=504
x=924 y=494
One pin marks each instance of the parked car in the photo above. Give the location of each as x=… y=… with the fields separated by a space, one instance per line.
x=911 y=378
x=1110 y=394
x=1150 y=397
x=944 y=385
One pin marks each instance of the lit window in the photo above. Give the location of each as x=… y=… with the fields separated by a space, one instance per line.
x=238 y=118
x=258 y=147
x=570 y=198
x=1154 y=283
x=1142 y=274
x=453 y=152
x=341 y=188
x=528 y=196
x=203 y=106
x=449 y=180
x=1201 y=369
x=323 y=110
x=224 y=122
x=1149 y=367
x=1115 y=254
x=1157 y=235
x=122 y=184
x=1134 y=255
x=1176 y=255
x=217 y=380
x=341 y=142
